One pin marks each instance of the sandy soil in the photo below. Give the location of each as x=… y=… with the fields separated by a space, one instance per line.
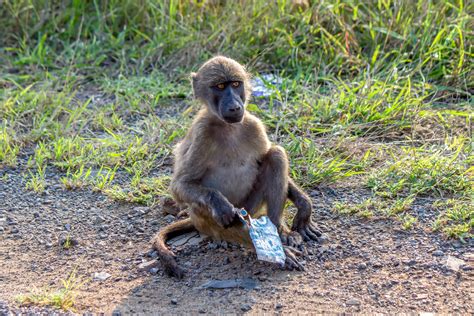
x=364 y=266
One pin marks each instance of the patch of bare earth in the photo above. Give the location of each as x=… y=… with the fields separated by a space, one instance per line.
x=364 y=266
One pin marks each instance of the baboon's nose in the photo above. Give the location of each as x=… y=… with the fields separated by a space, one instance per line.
x=236 y=108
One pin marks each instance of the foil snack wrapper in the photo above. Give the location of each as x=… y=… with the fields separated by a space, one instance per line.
x=265 y=238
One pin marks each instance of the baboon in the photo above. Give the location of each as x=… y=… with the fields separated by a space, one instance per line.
x=226 y=162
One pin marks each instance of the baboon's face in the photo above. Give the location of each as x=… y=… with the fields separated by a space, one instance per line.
x=223 y=85
x=228 y=100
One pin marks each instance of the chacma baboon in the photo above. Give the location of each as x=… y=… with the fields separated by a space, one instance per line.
x=226 y=162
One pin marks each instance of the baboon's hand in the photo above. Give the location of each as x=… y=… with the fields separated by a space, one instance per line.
x=222 y=211
x=306 y=228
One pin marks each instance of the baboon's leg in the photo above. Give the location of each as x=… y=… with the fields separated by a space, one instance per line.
x=271 y=189
x=302 y=222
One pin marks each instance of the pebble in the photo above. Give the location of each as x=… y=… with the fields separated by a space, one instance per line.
x=212 y=245
x=101 y=276
x=141 y=210
x=438 y=253
x=377 y=265
x=147 y=265
x=245 y=307
x=169 y=218
x=410 y=263
x=454 y=263
x=323 y=239
x=353 y=302
x=11 y=221
x=361 y=266
x=99 y=219
x=174 y=301
x=116 y=313
x=278 y=306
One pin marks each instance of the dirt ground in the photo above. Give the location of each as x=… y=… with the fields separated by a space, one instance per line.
x=367 y=266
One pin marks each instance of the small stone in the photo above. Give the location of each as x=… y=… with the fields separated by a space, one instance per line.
x=245 y=307
x=153 y=270
x=377 y=265
x=212 y=245
x=169 y=218
x=410 y=263
x=438 y=253
x=99 y=219
x=141 y=210
x=454 y=263
x=101 y=276
x=36 y=215
x=421 y=296
x=278 y=306
x=323 y=239
x=174 y=301
x=201 y=311
x=116 y=313
x=67 y=227
x=11 y=221
x=353 y=302
x=147 y=265
x=361 y=266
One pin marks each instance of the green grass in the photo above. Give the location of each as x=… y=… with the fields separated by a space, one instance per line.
x=62 y=298
x=456 y=217
x=377 y=93
x=420 y=171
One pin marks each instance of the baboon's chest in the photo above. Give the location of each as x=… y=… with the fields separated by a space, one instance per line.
x=234 y=179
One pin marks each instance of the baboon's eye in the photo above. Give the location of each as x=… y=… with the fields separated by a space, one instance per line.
x=235 y=84
x=220 y=86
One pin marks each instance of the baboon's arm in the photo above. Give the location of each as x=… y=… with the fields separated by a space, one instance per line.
x=186 y=185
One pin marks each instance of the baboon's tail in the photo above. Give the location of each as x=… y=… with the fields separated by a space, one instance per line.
x=167 y=257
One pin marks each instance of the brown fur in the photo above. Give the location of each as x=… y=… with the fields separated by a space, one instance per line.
x=221 y=167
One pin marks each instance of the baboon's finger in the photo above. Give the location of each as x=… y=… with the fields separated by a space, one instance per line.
x=311 y=235
x=293 y=251
x=304 y=235
x=312 y=227
x=292 y=262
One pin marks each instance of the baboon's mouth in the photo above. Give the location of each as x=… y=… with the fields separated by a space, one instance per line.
x=233 y=119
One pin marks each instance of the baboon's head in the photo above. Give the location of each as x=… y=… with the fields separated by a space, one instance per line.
x=223 y=85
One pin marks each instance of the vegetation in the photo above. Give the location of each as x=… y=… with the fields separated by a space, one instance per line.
x=376 y=92
x=63 y=298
